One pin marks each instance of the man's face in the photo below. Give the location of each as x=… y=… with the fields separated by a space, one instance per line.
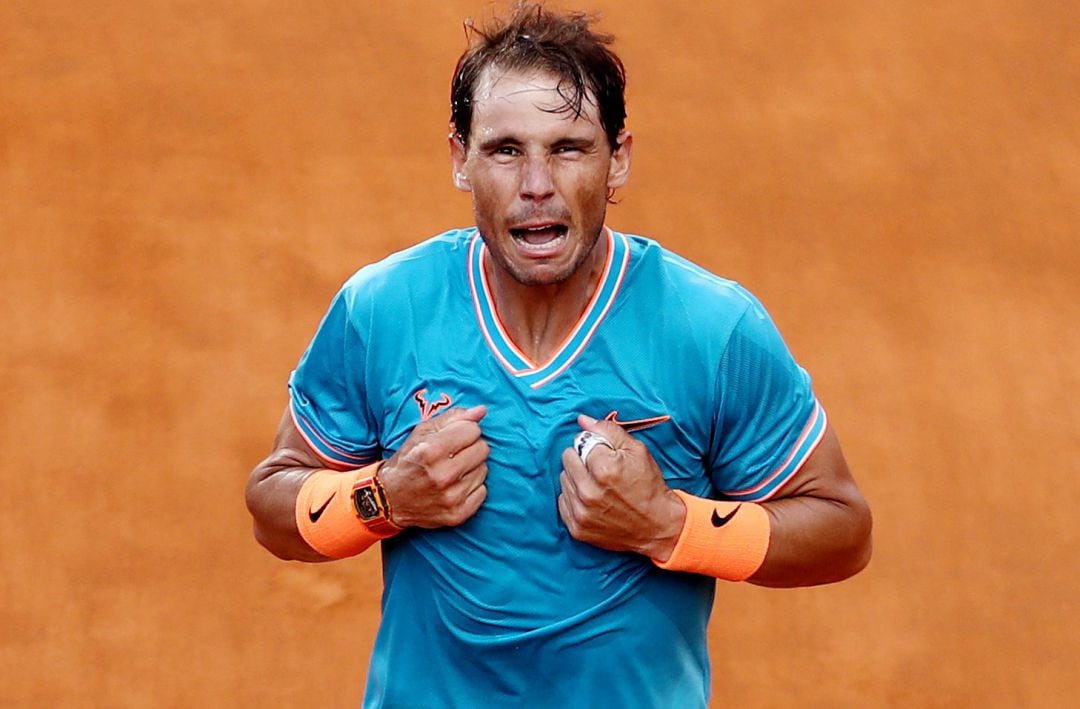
x=539 y=177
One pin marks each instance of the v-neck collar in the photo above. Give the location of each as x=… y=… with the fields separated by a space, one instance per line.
x=509 y=355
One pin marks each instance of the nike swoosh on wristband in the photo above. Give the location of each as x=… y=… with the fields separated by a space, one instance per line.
x=314 y=515
x=718 y=521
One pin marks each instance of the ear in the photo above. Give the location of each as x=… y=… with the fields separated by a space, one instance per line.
x=457 y=163
x=619 y=171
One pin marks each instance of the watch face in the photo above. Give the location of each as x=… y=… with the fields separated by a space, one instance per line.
x=366 y=505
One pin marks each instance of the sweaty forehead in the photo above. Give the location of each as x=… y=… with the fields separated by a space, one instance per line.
x=499 y=88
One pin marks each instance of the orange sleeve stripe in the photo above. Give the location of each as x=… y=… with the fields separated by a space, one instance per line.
x=725 y=540
x=322 y=447
x=325 y=516
x=811 y=435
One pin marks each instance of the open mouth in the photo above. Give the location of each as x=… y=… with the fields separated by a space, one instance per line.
x=540 y=237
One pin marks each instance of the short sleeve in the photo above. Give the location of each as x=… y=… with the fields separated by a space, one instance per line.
x=769 y=421
x=326 y=391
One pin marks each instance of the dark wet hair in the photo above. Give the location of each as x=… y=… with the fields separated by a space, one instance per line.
x=563 y=44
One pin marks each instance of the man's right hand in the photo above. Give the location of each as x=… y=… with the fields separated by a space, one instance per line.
x=436 y=478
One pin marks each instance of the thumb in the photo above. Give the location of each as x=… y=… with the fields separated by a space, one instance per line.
x=473 y=413
x=608 y=429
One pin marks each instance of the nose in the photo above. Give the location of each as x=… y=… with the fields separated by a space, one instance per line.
x=537 y=182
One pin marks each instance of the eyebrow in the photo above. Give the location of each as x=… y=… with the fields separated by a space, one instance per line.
x=574 y=142
x=502 y=140
x=497 y=142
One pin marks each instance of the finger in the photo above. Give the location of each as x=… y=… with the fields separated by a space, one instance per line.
x=451 y=440
x=580 y=493
x=443 y=420
x=613 y=432
x=565 y=513
x=587 y=442
x=566 y=483
x=470 y=456
x=589 y=480
x=475 y=413
x=573 y=468
x=473 y=501
x=474 y=477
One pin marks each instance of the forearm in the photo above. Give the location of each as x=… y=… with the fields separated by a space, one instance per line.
x=816 y=531
x=271 y=496
x=815 y=541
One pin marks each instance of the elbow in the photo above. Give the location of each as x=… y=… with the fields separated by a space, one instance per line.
x=861 y=541
x=860 y=559
x=852 y=547
x=260 y=501
x=271 y=543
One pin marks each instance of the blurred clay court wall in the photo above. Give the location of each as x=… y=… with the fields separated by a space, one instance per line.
x=184 y=185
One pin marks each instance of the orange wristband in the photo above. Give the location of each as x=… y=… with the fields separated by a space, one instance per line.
x=726 y=540
x=327 y=519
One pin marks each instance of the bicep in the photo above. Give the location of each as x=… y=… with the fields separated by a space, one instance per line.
x=825 y=474
x=820 y=523
x=292 y=448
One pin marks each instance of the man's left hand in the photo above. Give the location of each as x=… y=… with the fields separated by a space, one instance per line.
x=619 y=499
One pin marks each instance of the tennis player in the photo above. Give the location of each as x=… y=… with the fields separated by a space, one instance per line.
x=561 y=434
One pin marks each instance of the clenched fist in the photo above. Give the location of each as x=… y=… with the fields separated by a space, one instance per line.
x=619 y=499
x=436 y=479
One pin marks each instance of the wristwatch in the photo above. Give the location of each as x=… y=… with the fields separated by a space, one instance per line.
x=371 y=506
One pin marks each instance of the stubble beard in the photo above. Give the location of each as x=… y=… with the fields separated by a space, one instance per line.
x=531 y=279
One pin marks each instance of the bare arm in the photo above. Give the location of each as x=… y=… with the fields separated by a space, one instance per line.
x=435 y=479
x=820 y=523
x=272 y=489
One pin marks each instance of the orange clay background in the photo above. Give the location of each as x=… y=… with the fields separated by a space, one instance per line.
x=184 y=185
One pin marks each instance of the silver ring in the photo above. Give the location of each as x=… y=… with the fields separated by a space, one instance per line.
x=586 y=441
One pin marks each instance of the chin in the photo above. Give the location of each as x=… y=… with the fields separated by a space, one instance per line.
x=541 y=276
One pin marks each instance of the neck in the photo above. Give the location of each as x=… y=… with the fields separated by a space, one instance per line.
x=539 y=318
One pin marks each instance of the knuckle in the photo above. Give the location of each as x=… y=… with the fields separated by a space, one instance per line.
x=587 y=498
x=442 y=484
x=449 y=498
x=604 y=472
x=423 y=454
x=563 y=505
x=581 y=511
x=460 y=515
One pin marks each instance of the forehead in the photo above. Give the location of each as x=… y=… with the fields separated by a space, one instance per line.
x=505 y=99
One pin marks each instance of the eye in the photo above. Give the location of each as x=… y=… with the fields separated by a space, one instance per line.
x=573 y=150
x=506 y=150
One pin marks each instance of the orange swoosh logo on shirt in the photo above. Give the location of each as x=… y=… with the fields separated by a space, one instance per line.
x=636 y=424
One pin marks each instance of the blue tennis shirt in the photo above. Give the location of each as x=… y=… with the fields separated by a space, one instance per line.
x=507 y=610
